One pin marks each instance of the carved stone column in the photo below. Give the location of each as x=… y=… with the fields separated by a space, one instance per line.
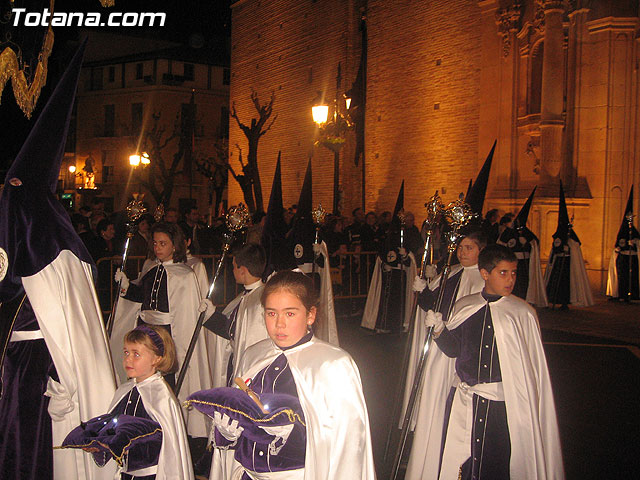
x=551 y=120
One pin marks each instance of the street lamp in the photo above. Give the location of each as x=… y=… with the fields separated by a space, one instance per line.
x=138 y=159
x=332 y=133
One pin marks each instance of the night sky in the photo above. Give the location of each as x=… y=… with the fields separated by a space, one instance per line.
x=204 y=21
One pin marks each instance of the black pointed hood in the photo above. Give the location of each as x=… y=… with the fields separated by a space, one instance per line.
x=466 y=195
x=399 y=201
x=521 y=219
x=520 y=233
x=623 y=232
x=275 y=228
x=475 y=196
x=303 y=232
x=562 y=231
x=34 y=227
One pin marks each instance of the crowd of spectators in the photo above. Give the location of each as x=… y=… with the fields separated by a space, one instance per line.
x=352 y=241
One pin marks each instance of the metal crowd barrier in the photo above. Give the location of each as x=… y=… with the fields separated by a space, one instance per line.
x=350 y=274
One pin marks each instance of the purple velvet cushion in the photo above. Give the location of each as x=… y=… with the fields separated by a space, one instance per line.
x=132 y=441
x=283 y=410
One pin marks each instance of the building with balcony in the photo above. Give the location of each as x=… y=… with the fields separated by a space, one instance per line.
x=130 y=87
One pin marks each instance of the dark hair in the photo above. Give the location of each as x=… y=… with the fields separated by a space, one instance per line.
x=493 y=213
x=251 y=256
x=506 y=218
x=169 y=361
x=296 y=283
x=353 y=212
x=492 y=255
x=103 y=225
x=175 y=233
x=478 y=237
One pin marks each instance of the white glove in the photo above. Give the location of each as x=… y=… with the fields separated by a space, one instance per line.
x=282 y=433
x=419 y=284
x=123 y=280
x=402 y=251
x=207 y=307
x=228 y=428
x=317 y=249
x=430 y=271
x=434 y=319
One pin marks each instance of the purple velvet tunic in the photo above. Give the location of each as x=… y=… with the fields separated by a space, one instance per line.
x=275 y=378
x=473 y=346
x=131 y=404
x=427 y=298
x=25 y=425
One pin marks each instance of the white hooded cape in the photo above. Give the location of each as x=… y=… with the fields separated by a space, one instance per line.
x=536 y=291
x=471 y=282
x=325 y=326
x=531 y=415
x=184 y=300
x=612 y=277
x=580 y=290
x=330 y=392
x=370 y=315
x=64 y=300
x=250 y=329
x=174 y=462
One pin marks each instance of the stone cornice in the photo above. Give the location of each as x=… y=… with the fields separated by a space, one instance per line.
x=628 y=24
x=508 y=22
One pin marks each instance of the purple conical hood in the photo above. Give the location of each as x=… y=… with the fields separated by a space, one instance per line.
x=34 y=227
x=38 y=162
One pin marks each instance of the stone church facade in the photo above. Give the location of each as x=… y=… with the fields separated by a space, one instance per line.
x=554 y=82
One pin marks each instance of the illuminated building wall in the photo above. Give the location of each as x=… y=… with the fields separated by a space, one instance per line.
x=554 y=82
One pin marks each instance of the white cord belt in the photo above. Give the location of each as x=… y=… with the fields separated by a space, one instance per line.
x=458 y=442
x=24 y=335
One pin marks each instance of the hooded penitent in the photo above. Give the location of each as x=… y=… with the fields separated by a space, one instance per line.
x=623 y=265
x=302 y=234
x=566 y=276
x=53 y=338
x=301 y=241
x=275 y=229
x=387 y=308
x=526 y=246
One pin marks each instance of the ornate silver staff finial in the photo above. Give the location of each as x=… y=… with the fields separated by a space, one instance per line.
x=135 y=209
x=238 y=218
x=435 y=209
x=318 y=215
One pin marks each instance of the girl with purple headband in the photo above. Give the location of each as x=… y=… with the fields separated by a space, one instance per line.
x=148 y=354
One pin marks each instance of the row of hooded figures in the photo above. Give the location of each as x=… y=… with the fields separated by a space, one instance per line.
x=267 y=386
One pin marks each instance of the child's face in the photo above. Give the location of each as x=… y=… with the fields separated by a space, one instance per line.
x=468 y=252
x=286 y=318
x=501 y=279
x=139 y=361
x=162 y=246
